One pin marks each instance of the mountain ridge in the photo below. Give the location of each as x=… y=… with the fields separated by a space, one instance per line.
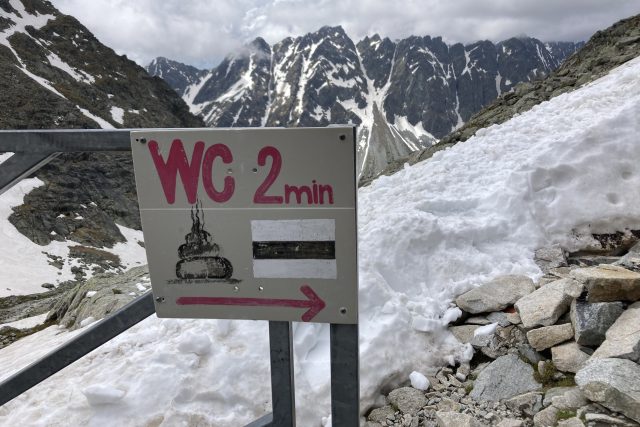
x=416 y=90
x=54 y=73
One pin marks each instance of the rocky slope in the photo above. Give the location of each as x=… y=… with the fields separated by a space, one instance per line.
x=55 y=74
x=605 y=50
x=404 y=95
x=561 y=352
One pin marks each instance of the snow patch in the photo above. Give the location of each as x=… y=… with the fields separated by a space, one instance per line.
x=117 y=114
x=99 y=120
x=77 y=75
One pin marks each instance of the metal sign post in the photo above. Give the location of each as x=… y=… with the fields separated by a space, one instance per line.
x=257 y=224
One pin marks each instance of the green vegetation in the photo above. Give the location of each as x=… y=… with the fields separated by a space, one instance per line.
x=548 y=377
x=565 y=414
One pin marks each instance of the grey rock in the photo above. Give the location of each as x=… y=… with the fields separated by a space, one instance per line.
x=544 y=306
x=546 y=418
x=528 y=403
x=500 y=318
x=529 y=353
x=510 y=422
x=570 y=400
x=463 y=333
x=495 y=295
x=568 y=357
x=448 y=405
x=550 y=257
x=609 y=283
x=606 y=420
x=623 y=337
x=631 y=259
x=514 y=318
x=614 y=383
x=553 y=392
x=477 y=320
x=505 y=377
x=450 y=419
x=407 y=399
x=571 y=422
x=592 y=320
x=548 y=336
x=380 y=415
x=464 y=370
x=111 y=292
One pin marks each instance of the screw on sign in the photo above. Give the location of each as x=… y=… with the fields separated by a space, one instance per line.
x=261 y=221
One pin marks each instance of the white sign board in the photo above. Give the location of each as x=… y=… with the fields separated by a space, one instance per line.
x=250 y=223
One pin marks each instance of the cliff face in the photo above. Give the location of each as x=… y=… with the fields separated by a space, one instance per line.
x=55 y=74
x=403 y=95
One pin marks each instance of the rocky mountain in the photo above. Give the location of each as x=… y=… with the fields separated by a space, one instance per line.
x=404 y=95
x=605 y=50
x=55 y=74
x=179 y=76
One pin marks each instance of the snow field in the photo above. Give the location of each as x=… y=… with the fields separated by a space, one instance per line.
x=23 y=265
x=427 y=234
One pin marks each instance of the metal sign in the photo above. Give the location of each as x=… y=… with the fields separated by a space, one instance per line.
x=250 y=223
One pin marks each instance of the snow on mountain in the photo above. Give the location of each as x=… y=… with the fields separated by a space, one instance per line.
x=428 y=233
x=18 y=277
x=55 y=74
x=70 y=79
x=404 y=95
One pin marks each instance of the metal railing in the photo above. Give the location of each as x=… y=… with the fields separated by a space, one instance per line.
x=33 y=149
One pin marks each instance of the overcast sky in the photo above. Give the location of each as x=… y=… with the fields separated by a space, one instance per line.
x=202 y=32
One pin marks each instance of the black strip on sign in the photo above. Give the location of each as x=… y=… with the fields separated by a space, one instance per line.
x=294 y=250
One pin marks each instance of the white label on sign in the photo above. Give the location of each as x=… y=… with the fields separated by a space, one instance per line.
x=303 y=249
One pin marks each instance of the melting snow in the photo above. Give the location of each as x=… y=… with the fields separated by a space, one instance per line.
x=77 y=75
x=117 y=114
x=102 y=122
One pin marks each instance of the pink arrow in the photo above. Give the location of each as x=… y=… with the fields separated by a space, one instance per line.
x=314 y=303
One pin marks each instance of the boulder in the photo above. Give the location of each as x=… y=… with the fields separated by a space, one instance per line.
x=631 y=260
x=613 y=383
x=594 y=418
x=571 y=399
x=571 y=422
x=544 y=306
x=407 y=399
x=548 y=336
x=99 y=296
x=495 y=295
x=528 y=403
x=553 y=392
x=463 y=333
x=623 y=337
x=568 y=357
x=546 y=418
x=504 y=378
x=379 y=415
x=591 y=320
x=529 y=353
x=550 y=257
x=510 y=422
x=609 y=283
x=450 y=419
x=501 y=318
